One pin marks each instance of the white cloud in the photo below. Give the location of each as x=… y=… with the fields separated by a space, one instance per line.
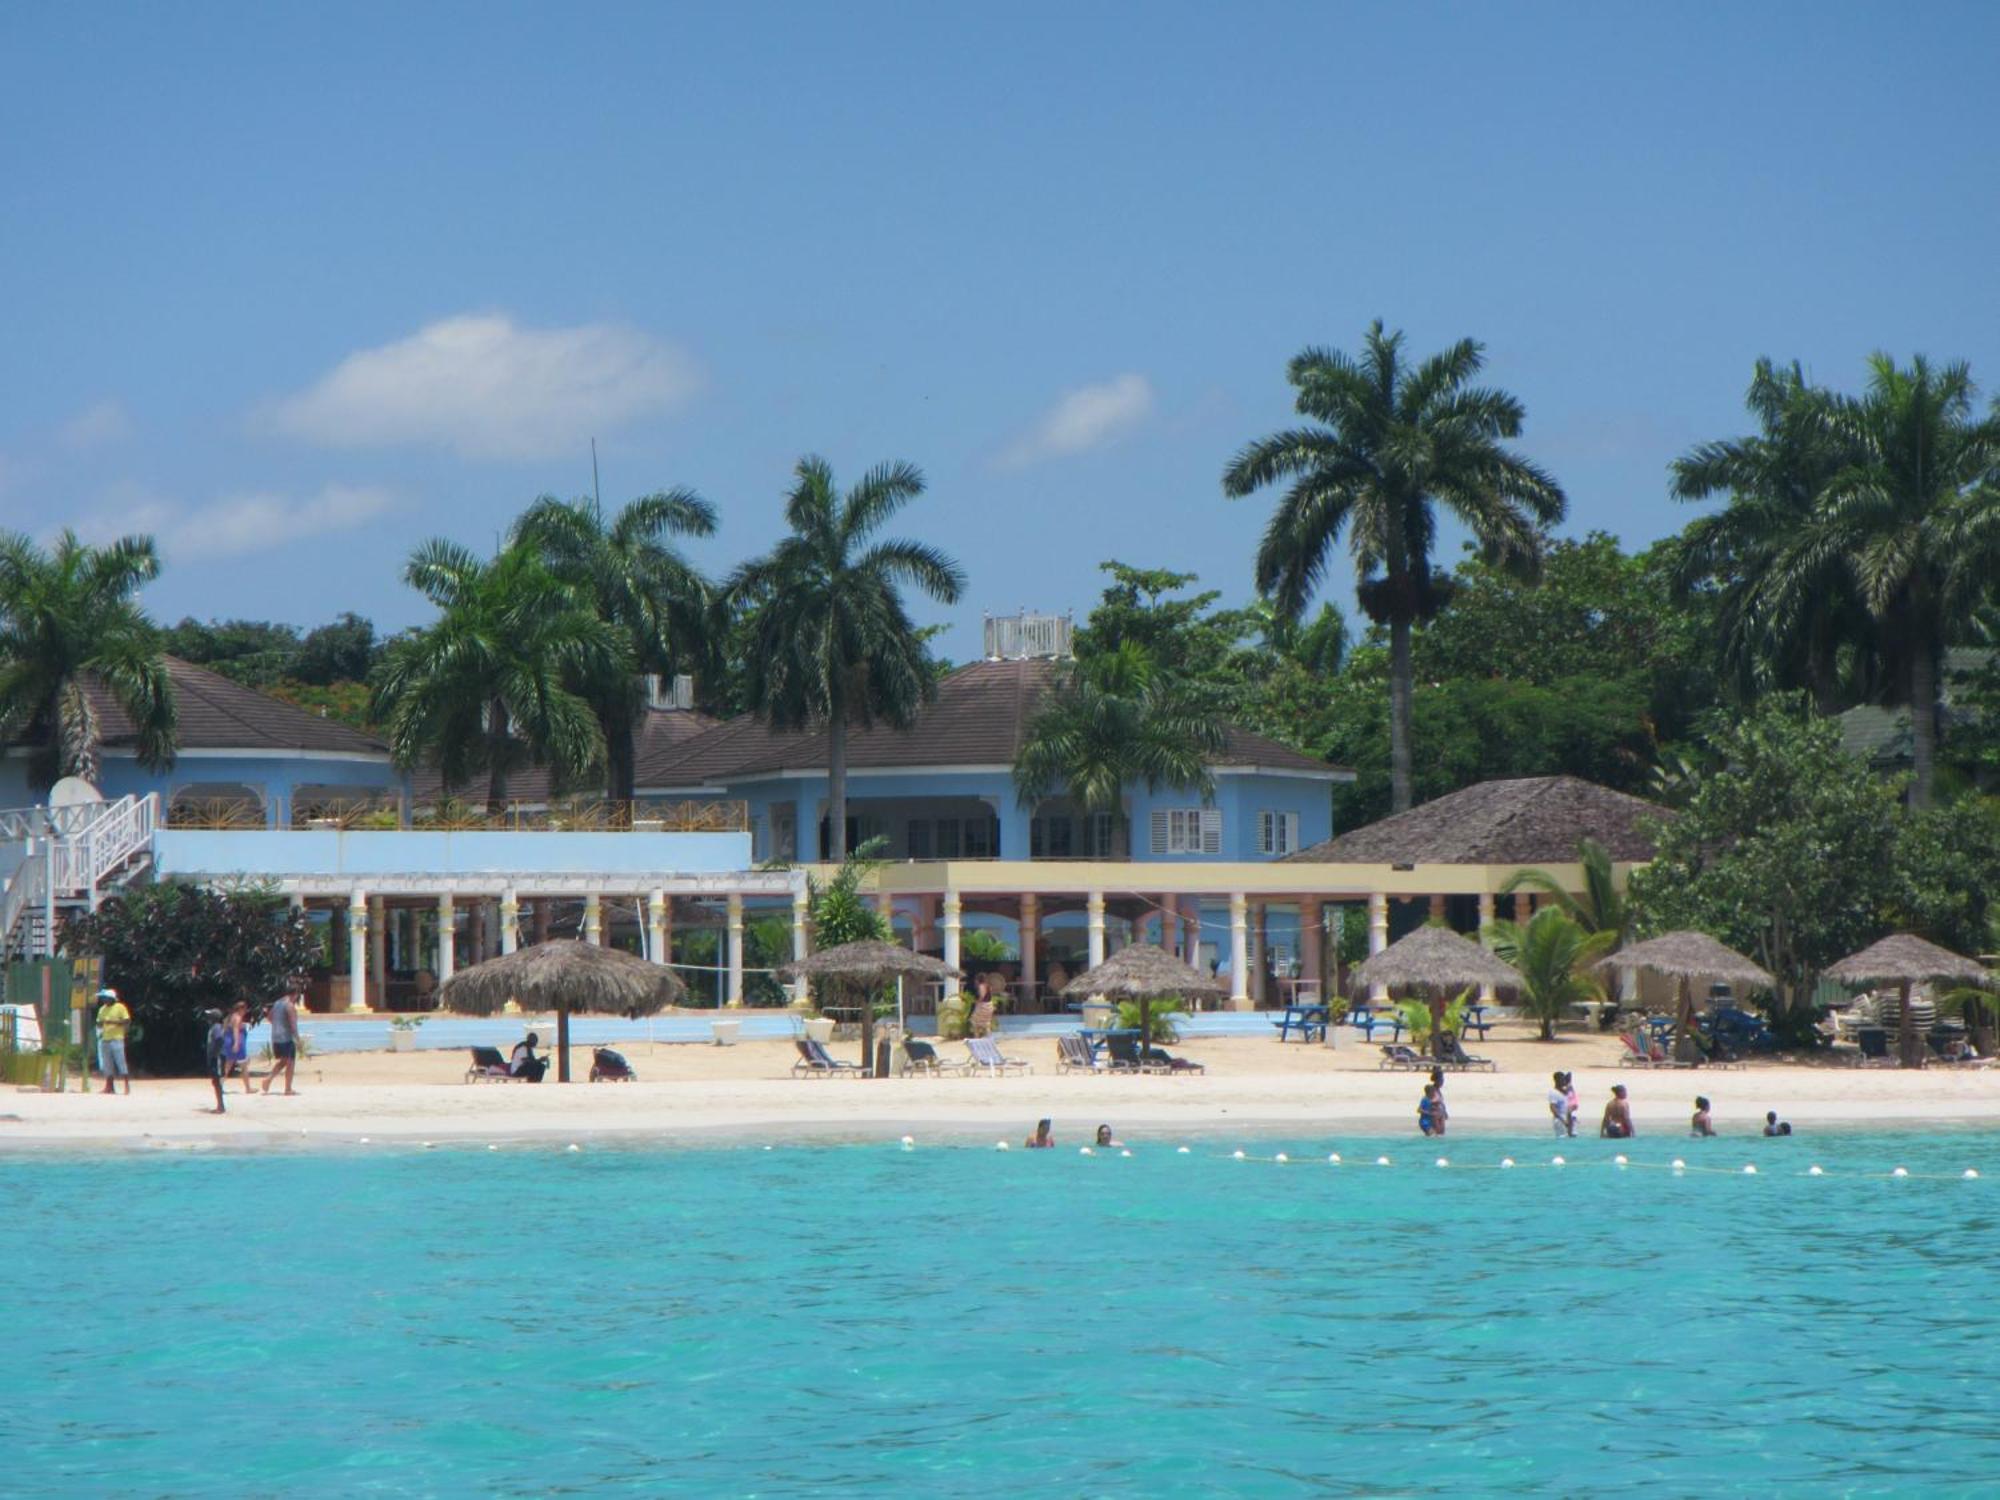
x=485 y=388
x=233 y=525
x=96 y=426
x=1087 y=417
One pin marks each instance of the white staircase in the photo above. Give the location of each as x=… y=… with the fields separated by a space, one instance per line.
x=71 y=857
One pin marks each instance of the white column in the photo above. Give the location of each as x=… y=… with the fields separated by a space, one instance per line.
x=593 y=920
x=1486 y=995
x=735 y=948
x=510 y=920
x=953 y=909
x=656 y=926
x=1239 y=951
x=801 y=943
x=1378 y=937
x=447 y=939
x=357 y=952
x=1094 y=913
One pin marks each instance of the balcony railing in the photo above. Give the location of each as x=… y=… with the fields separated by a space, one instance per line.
x=370 y=815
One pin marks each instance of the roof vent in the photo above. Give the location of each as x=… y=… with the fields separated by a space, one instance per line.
x=1029 y=637
x=662 y=693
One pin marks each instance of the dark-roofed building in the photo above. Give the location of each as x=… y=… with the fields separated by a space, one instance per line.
x=943 y=788
x=1532 y=820
x=662 y=733
x=241 y=756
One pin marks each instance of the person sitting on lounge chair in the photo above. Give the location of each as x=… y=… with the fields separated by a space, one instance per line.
x=524 y=1064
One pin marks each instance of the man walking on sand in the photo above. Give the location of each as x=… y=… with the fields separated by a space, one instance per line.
x=285 y=1036
x=113 y=1020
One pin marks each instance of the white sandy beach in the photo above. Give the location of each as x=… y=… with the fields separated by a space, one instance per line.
x=688 y=1091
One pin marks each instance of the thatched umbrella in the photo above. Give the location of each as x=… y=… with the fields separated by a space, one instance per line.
x=1905 y=959
x=1145 y=972
x=1688 y=956
x=563 y=975
x=1437 y=961
x=867 y=965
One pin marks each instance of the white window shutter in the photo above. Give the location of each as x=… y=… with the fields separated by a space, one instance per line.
x=1211 y=830
x=1159 y=830
x=1291 y=833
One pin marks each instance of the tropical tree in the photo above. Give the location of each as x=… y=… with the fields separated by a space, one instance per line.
x=1916 y=517
x=69 y=618
x=1113 y=720
x=1599 y=907
x=486 y=687
x=1790 y=614
x=1553 y=951
x=1388 y=444
x=837 y=912
x=629 y=570
x=829 y=640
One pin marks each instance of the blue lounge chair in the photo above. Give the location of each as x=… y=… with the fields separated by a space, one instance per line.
x=816 y=1062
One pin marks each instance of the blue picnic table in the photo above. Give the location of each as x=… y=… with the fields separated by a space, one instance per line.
x=1475 y=1020
x=1365 y=1020
x=1309 y=1021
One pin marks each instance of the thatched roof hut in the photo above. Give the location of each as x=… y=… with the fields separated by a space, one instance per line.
x=1146 y=972
x=1534 y=820
x=564 y=976
x=1690 y=957
x=1434 y=960
x=1904 y=959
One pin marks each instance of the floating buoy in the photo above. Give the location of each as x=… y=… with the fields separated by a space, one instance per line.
x=1334 y=1157
x=1620 y=1160
x=1085 y=1151
x=1181 y=1151
x=1749 y=1170
x=1381 y=1161
x=1900 y=1172
x=1281 y=1157
x=909 y=1140
x=1814 y=1172
x=1239 y=1155
x=767 y=1148
x=574 y=1146
x=999 y=1145
x=492 y=1148
x=1124 y=1153
x=364 y=1140
x=1557 y=1161
x=1444 y=1161
x=1969 y=1174
x=427 y=1145
x=1679 y=1165
x=1506 y=1161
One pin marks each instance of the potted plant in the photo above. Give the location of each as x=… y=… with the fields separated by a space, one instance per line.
x=403 y=1033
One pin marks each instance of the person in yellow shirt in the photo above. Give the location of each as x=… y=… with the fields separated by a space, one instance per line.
x=113 y=1020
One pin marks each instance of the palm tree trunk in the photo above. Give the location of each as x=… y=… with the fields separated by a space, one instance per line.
x=1923 y=724
x=497 y=750
x=836 y=786
x=1400 y=673
x=620 y=758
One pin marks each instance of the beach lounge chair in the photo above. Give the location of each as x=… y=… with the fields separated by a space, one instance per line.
x=815 y=1061
x=1642 y=1051
x=608 y=1065
x=1073 y=1055
x=983 y=1052
x=1874 y=1044
x=1158 y=1060
x=919 y=1056
x=488 y=1066
x=1400 y=1059
x=1452 y=1054
x=1121 y=1054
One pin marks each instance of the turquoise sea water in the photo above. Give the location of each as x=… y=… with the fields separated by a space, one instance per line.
x=954 y=1321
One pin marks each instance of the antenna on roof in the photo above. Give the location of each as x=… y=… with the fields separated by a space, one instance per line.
x=596 y=499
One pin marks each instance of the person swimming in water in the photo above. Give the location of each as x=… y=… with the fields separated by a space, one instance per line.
x=1617 y=1122
x=1701 y=1124
x=1044 y=1136
x=1104 y=1137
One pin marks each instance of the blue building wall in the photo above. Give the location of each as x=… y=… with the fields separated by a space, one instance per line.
x=273 y=777
x=198 y=852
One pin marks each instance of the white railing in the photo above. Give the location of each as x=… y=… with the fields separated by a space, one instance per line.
x=26 y=891
x=1028 y=636
x=18 y=824
x=99 y=840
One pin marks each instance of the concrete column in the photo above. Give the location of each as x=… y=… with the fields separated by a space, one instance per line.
x=447 y=963
x=541 y=919
x=357 y=952
x=656 y=926
x=593 y=920
x=1094 y=915
x=953 y=910
x=735 y=948
x=378 y=951
x=1378 y=937
x=1485 y=920
x=1239 y=951
x=1260 y=953
x=510 y=921
x=801 y=942
x=1031 y=937
x=1312 y=953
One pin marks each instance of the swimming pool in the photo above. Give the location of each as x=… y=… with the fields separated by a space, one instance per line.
x=952 y=1320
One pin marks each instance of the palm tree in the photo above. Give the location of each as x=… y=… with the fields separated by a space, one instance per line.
x=1113 y=720
x=1916 y=517
x=628 y=568
x=69 y=618
x=484 y=688
x=1790 y=612
x=829 y=639
x=1601 y=906
x=1553 y=953
x=1388 y=444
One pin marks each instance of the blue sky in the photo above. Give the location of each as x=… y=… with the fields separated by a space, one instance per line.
x=297 y=288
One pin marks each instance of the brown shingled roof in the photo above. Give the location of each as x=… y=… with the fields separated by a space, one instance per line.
x=662 y=734
x=979 y=718
x=1536 y=820
x=217 y=714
